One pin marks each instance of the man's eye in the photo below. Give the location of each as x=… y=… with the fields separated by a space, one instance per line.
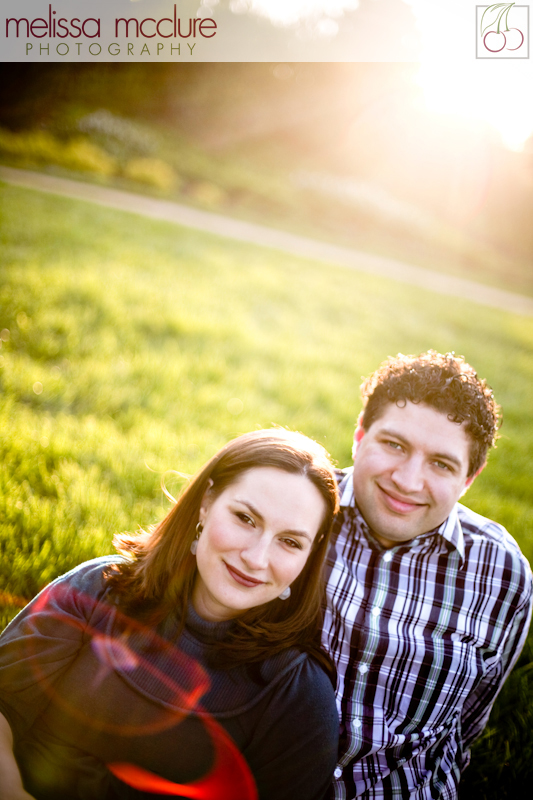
x=394 y=445
x=442 y=465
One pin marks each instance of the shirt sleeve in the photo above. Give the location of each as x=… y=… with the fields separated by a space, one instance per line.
x=41 y=642
x=294 y=748
x=477 y=708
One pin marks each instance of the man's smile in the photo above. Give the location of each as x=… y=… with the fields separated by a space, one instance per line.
x=397 y=503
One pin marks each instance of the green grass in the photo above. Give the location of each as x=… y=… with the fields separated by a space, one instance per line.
x=255 y=184
x=128 y=338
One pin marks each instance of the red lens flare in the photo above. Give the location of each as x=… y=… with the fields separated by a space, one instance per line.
x=229 y=779
x=114 y=652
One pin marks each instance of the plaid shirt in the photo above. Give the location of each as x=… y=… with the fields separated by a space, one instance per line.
x=423 y=636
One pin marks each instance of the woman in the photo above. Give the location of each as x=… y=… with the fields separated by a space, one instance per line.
x=190 y=665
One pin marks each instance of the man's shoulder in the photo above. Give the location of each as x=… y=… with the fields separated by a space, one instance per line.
x=474 y=524
x=481 y=533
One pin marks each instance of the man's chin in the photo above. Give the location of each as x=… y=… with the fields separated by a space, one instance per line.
x=390 y=540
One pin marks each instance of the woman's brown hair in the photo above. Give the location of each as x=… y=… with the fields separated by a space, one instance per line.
x=158 y=576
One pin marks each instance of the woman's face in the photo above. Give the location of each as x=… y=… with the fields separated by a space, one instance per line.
x=257 y=536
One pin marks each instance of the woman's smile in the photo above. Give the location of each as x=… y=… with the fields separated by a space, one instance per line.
x=241 y=578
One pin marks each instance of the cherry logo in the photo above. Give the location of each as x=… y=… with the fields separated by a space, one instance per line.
x=495 y=30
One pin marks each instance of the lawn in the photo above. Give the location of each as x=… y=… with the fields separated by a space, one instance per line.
x=131 y=350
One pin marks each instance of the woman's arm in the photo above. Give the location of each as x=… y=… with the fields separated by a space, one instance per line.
x=11 y=787
x=293 y=751
x=40 y=643
x=35 y=650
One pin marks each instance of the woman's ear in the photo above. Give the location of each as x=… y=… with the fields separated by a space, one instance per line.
x=206 y=501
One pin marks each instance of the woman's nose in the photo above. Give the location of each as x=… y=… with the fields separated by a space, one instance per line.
x=255 y=555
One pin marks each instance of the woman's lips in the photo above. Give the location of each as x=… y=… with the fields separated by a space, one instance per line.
x=241 y=578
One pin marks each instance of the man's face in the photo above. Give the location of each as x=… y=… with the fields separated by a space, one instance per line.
x=410 y=468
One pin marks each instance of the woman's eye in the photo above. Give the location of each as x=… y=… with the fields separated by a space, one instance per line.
x=245 y=518
x=292 y=543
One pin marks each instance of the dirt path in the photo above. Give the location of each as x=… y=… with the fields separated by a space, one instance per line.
x=269 y=237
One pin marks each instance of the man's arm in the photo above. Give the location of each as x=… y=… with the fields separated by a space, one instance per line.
x=477 y=708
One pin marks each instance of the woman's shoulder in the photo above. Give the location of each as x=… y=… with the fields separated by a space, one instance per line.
x=89 y=574
x=86 y=578
x=78 y=593
x=84 y=588
x=301 y=676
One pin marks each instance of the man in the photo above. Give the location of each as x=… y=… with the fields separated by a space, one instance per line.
x=428 y=603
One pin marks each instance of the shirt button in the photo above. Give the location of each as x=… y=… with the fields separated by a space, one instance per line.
x=338 y=772
x=376 y=611
x=387 y=556
x=357 y=723
x=363 y=668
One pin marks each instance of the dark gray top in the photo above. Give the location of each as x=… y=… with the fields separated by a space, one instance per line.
x=83 y=687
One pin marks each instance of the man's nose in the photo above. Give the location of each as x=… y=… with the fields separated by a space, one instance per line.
x=409 y=475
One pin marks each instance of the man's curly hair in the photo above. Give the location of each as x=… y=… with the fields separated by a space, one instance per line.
x=445 y=382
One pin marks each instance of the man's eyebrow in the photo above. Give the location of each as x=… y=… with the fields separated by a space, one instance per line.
x=254 y=510
x=441 y=456
x=449 y=457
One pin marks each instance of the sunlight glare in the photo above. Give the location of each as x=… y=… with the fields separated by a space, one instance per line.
x=494 y=91
x=491 y=92
x=293 y=12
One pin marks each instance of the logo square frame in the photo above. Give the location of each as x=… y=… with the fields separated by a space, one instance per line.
x=522 y=19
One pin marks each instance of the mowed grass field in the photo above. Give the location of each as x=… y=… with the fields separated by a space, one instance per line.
x=131 y=350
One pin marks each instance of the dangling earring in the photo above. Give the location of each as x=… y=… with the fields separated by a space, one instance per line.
x=286 y=593
x=194 y=543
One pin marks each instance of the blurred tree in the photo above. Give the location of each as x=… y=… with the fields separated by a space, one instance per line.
x=363 y=121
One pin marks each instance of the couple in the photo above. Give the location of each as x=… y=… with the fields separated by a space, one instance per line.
x=191 y=664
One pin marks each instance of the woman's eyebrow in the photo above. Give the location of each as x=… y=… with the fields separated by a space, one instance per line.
x=253 y=509
x=249 y=506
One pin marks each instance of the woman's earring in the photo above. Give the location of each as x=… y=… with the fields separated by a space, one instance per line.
x=194 y=543
x=286 y=593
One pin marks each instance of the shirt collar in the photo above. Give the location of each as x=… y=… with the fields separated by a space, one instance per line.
x=347 y=498
x=450 y=530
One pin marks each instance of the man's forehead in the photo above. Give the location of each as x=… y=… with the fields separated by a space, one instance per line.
x=414 y=408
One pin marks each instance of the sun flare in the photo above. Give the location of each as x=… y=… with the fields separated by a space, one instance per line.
x=495 y=91
x=493 y=94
